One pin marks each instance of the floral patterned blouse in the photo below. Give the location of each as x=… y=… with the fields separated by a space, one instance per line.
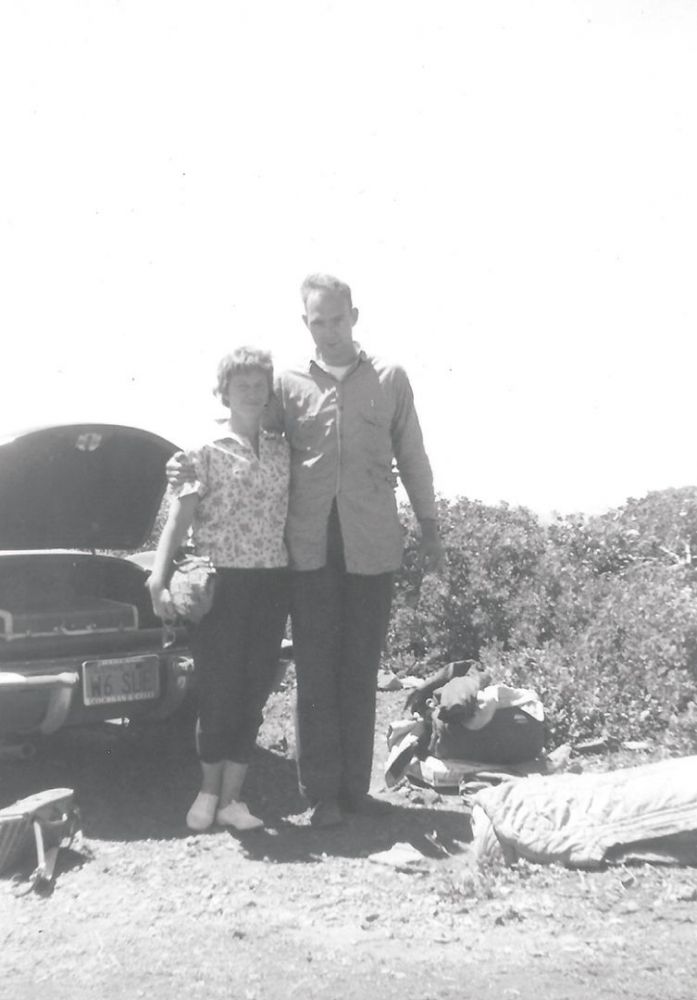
x=241 y=518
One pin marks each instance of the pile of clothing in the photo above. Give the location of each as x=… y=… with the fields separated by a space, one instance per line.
x=460 y=725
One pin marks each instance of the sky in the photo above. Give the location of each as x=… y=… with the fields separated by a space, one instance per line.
x=509 y=188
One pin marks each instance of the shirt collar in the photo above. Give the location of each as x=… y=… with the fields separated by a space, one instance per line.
x=222 y=432
x=317 y=361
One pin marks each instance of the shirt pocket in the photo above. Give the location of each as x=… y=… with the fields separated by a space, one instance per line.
x=306 y=433
x=374 y=425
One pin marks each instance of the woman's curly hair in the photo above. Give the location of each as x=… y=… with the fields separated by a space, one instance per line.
x=241 y=361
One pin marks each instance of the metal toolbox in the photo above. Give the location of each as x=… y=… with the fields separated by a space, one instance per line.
x=81 y=617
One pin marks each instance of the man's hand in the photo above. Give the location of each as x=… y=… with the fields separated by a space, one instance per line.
x=180 y=470
x=430 y=547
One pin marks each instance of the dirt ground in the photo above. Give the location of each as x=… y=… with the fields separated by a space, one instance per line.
x=296 y=912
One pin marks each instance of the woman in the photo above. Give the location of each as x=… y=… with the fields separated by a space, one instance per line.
x=236 y=510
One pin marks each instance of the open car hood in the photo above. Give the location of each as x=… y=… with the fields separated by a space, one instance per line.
x=81 y=486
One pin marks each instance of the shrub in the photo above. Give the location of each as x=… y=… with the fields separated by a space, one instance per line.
x=489 y=591
x=632 y=672
x=599 y=615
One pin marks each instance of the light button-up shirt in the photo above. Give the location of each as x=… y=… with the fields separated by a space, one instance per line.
x=344 y=437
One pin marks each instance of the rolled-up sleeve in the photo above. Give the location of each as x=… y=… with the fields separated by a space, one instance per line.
x=409 y=451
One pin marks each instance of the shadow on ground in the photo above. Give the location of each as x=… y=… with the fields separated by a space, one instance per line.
x=130 y=784
x=360 y=836
x=136 y=784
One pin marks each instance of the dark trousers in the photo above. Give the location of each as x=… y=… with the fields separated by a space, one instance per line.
x=236 y=652
x=339 y=624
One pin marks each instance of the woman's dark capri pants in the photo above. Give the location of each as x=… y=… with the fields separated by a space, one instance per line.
x=236 y=652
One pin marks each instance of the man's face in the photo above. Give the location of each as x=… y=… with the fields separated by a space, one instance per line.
x=330 y=320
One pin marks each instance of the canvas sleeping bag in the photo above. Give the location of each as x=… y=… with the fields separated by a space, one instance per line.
x=583 y=820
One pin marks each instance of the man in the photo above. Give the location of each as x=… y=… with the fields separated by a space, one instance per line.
x=347 y=416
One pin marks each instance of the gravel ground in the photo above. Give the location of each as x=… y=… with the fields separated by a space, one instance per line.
x=296 y=912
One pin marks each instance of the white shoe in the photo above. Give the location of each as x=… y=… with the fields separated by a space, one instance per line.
x=238 y=815
x=202 y=813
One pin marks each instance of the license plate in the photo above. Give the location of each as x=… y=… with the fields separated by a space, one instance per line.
x=130 y=678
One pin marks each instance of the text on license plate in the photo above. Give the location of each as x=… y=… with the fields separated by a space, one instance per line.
x=128 y=678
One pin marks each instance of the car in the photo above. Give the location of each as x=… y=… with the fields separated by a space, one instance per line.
x=79 y=642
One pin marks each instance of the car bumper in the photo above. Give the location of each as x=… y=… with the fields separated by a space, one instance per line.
x=41 y=698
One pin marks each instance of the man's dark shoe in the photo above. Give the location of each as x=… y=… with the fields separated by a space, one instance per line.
x=326 y=813
x=364 y=805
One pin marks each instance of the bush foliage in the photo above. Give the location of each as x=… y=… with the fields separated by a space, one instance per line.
x=598 y=615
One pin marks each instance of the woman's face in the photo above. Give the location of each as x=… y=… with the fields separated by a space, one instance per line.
x=248 y=394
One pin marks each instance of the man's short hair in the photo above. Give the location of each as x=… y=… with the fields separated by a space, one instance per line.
x=239 y=362
x=323 y=282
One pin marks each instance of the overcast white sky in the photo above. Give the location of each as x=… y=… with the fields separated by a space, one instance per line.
x=509 y=186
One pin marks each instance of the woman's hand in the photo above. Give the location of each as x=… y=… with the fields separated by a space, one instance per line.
x=161 y=600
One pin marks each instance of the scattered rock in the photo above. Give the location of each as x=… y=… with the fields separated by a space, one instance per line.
x=591 y=746
x=411 y=682
x=558 y=760
x=401 y=856
x=509 y=915
x=630 y=907
x=387 y=681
